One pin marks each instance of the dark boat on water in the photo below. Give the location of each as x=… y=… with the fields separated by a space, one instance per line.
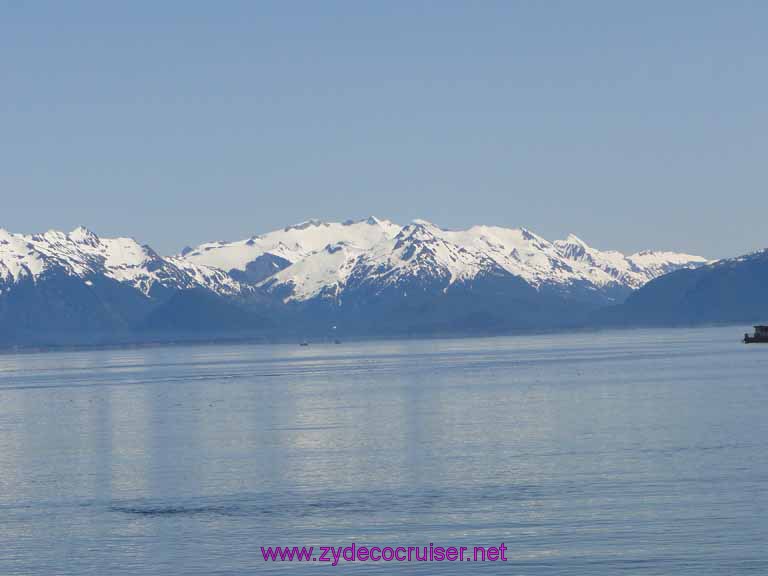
x=760 y=335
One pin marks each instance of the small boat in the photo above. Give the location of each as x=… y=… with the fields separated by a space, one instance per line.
x=760 y=335
x=303 y=343
x=337 y=341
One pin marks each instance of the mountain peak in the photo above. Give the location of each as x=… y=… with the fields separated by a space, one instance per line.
x=573 y=239
x=419 y=229
x=422 y=222
x=83 y=235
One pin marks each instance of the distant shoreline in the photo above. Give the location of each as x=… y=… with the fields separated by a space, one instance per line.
x=261 y=340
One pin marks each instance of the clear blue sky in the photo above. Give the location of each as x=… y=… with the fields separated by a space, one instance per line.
x=632 y=124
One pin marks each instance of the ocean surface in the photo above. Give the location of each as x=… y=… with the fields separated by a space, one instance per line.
x=636 y=452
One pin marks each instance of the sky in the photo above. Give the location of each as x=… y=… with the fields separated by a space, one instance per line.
x=631 y=124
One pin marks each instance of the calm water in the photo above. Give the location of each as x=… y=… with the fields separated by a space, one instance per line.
x=637 y=452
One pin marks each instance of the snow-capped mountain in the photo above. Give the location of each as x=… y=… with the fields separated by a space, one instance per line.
x=84 y=255
x=321 y=259
x=418 y=254
x=261 y=256
x=77 y=288
x=318 y=259
x=633 y=270
x=368 y=277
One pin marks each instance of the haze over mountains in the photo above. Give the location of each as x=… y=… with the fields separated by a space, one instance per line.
x=363 y=278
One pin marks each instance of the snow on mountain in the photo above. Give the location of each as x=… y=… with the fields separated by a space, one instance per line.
x=416 y=252
x=423 y=251
x=83 y=254
x=321 y=273
x=632 y=271
x=657 y=263
x=420 y=251
x=372 y=276
x=293 y=243
x=518 y=251
x=321 y=259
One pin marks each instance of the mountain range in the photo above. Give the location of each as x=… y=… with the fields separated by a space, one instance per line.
x=368 y=277
x=328 y=260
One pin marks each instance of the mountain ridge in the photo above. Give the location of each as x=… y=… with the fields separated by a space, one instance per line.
x=517 y=250
x=369 y=276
